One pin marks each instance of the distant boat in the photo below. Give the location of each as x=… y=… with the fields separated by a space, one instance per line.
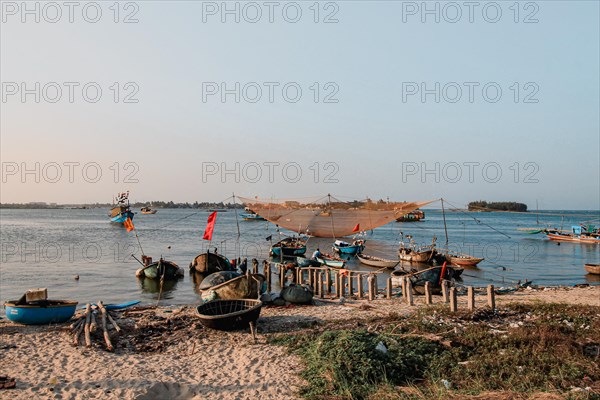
x=593 y=269
x=377 y=261
x=291 y=246
x=148 y=210
x=341 y=247
x=121 y=211
x=250 y=215
x=412 y=216
x=579 y=234
x=161 y=269
x=208 y=263
x=217 y=209
x=40 y=312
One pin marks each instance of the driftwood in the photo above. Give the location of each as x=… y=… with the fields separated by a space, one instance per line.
x=88 y=312
x=78 y=331
x=93 y=323
x=109 y=345
x=112 y=321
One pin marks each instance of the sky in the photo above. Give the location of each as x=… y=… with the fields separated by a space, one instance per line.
x=193 y=101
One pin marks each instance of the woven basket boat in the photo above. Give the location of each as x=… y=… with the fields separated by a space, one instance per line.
x=228 y=315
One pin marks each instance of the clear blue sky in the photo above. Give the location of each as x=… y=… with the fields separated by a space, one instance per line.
x=375 y=139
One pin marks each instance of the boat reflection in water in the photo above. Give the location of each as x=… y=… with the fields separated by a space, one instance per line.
x=153 y=286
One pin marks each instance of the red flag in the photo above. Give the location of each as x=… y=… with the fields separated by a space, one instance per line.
x=356 y=228
x=128 y=224
x=210 y=226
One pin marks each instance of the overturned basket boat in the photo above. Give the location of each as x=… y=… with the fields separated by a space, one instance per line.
x=228 y=315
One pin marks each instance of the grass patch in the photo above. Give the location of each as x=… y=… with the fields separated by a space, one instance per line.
x=436 y=354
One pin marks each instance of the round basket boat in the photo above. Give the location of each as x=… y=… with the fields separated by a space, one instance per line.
x=228 y=315
x=41 y=312
x=593 y=269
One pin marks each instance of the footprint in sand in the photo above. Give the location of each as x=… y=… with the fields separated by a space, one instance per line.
x=169 y=390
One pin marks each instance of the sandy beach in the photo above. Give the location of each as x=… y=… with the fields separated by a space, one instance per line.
x=187 y=361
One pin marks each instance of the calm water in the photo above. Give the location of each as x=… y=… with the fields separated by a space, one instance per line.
x=46 y=248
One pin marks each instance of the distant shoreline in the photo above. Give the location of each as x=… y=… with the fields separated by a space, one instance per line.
x=152 y=204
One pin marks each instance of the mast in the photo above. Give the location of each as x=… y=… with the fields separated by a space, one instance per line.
x=445 y=227
x=331 y=215
x=237 y=222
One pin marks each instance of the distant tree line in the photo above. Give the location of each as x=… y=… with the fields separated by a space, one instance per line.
x=497 y=206
x=152 y=204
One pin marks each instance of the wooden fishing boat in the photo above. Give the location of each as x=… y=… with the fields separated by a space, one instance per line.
x=419 y=278
x=593 y=269
x=291 y=246
x=247 y=286
x=331 y=261
x=229 y=314
x=250 y=215
x=208 y=263
x=121 y=211
x=342 y=247
x=463 y=260
x=304 y=262
x=162 y=269
x=148 y=210
x=377 y=261
x=415 y=255
x=578 y=234
x=40 y=312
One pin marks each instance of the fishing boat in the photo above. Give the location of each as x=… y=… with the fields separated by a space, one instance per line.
x=161 y=269
x=431 y=275
x=331 y=261
x=229 y=315
x=250 y=215
x=148 y=210
x=291 y=246
x=304 y=262
x=593 y=269
x=208 y=263
x=463 y=260
x=378 y=262
x=40 y=312
x=342 y=247
x=412 y=216
x=247 y=286
x=121 y=210
x=579 y=234
x=412 y=253
x=327 y=216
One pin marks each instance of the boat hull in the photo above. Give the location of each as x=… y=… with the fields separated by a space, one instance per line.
x=46 y=312
x=331 y=263
x=252 y=217
x=593 y=269
x=157 y=270
x=557 y=237
x=349 y=250
x=122 y=217
x=415 y=256
x=288 y=251
x=208 y=263
x=243 y=287
x=464 y=262
x=377 y=262
x=304 y=262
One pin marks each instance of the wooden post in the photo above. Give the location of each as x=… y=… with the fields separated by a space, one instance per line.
x=265 y=266
x=427 y=292
x=388 y=288
x=255 y=265
x=359 y=286
x=341 y=285
x=328 y=280
x=370 y=286
x=320 y=285
x=470 y=298
x=268 y=276
x=281 y=276
x=335 y=285
x=403 y=281
x=350 y=284
x=491 y=297
x=453 y=300
x=409 y=293
x=86 y=330
x=445 y=291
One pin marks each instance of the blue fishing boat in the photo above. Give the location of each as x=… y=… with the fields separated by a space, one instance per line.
x=304 y=262
x=291 y=246
x=341 y=247
x=121 y=211
x=40 y=312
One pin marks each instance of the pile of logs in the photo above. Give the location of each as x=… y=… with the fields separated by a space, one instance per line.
x=87 y=323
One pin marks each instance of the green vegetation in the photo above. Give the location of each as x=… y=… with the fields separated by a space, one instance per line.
x=497 y=206
x=436 y=355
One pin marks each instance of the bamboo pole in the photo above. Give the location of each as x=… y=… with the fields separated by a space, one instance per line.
x=335 y=284
x=427 y=292
x=470 y=298
x=388 y=288
x=281 y=276
x=86 y=330
x=491 y=297
x=321 y=284
x=453 y=300
x=268 y=276
x=109 y=345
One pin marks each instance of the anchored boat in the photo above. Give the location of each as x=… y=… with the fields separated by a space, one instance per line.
x=342 y=247
x=377 y=261
x=121 y=211
x=161 y=269
x=208 y=263
x=291 y=246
